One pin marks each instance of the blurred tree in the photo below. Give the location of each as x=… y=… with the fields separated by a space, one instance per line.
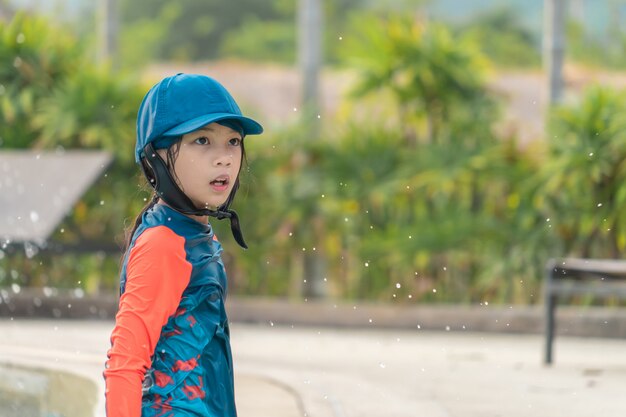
x=502 y=37
x=192 y=32
x=52 y=97
x=35 y=56
x=594 y=51
x=259 y=40
x=429 y=72
x=585 y=177
x=90 y=109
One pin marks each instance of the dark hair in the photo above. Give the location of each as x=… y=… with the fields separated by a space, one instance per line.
x=172 y=154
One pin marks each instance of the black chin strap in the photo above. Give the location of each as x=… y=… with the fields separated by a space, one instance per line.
x=155 y=170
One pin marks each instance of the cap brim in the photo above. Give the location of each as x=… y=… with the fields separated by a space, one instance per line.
x=250 y=127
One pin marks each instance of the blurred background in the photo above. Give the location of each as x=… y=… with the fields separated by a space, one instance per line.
x=415 y=151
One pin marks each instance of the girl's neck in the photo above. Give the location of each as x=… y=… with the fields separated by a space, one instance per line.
x=199 y=219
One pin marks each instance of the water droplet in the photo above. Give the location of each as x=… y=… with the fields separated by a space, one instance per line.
x=34 y=216
x=102 y=202
x=434 y=289
x=367 y=264
x=382 y=365
x=599 y=204
x=398 y=285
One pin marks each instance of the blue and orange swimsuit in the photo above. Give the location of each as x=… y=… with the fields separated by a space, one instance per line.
x=170 y=348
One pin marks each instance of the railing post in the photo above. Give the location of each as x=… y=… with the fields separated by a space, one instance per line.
x=550 y=307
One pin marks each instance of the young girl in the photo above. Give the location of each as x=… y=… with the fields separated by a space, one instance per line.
x=170 y=349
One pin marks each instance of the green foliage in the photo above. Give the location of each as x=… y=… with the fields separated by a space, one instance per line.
x=585 y=176
x=594 y=51
x=35 y=56
x=52 y=97
x=142 y=41
x=90 y=109
x=503 y=39
x=194 y=31
x=262 y=40
x=430 y=73
x=391 y=215
x=419 y=202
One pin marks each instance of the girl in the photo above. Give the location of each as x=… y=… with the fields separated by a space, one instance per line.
x=170 y=349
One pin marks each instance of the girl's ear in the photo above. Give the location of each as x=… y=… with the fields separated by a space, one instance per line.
x=162 y=153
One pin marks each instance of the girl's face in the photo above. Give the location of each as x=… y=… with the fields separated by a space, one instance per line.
x=207 y=164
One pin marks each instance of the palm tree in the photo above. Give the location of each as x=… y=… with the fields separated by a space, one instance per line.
x=429 y=71
x=585 y=176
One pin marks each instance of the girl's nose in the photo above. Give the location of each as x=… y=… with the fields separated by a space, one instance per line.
x=226 y=159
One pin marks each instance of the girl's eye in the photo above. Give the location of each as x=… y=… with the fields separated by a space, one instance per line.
x=235 y=141
x=202 y=141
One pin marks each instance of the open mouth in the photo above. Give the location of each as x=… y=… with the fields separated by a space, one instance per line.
x=220 y=182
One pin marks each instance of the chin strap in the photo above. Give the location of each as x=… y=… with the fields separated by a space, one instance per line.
x=155 y=170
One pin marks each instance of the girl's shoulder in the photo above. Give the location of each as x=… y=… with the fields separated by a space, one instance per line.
x=161 y=238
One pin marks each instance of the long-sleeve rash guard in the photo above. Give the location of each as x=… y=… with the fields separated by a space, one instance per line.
x=170 y=348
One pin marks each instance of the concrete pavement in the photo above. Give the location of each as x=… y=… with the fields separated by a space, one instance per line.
x=286 y=371
x=79 y=347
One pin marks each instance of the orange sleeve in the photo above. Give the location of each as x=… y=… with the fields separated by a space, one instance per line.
x=157 y=273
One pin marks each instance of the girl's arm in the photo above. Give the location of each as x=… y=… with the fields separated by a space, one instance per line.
x=157 y=273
